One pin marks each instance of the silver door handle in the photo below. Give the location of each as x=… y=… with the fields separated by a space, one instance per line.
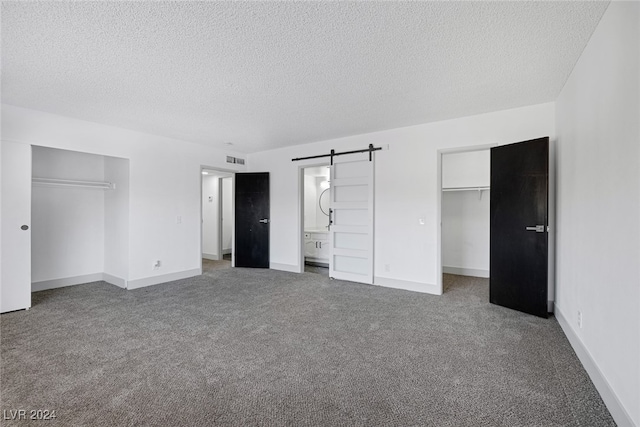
x=264 y=220
x=537 y=228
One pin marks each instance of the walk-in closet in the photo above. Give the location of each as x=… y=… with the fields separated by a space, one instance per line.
x=465 y=213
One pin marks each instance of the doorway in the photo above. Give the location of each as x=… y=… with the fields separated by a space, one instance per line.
x=465 y=203
x=316 y=195
x=217 y=221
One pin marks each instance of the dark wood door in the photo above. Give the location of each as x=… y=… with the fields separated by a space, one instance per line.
x=252 y=220
x=518 y=236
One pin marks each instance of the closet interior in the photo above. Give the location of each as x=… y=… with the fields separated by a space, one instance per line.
x=465 y=213
x=80 y=218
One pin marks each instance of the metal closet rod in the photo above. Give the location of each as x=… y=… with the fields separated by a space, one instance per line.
x=52 y=182
x=333 y=153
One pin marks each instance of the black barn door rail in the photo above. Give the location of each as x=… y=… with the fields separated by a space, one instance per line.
x=333 y=154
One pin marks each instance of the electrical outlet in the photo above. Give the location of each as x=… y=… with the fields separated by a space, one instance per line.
x=156 y=265
x=579 y=319
x=178 y=219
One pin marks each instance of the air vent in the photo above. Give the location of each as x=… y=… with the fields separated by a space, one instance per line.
x=235 y=160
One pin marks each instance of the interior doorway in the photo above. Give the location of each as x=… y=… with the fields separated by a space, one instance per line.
x=465 y=207
x=217 y=220
x=315 y=206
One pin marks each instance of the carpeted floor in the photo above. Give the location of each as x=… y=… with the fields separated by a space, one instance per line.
x=245 y=347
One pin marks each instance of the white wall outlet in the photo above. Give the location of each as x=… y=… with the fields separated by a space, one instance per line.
x=210 y=199
x=156 y=265
x=579 y=319
x=179 y=219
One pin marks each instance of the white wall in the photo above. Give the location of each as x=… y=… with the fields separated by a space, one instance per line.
x=116 y=221
x=67 y=238
x=210 y=217
x=164 y=183
x=310 y=200
x=598 y=187
x=406 y=188
x=227 y=218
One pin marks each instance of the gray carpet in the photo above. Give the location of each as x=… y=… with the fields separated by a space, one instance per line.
x=258 y=347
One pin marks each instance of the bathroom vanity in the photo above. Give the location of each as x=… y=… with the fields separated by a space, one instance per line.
x=316 y=247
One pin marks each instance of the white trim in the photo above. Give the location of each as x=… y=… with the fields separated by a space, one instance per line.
x=155 y=280
x=44 y=285
x=462 y=271
x=212 y=257
x=285 y=267
x=618 y=412
x=226 y=251
x=426 y=288
x=114 y=280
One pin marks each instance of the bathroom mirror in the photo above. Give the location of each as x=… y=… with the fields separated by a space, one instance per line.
x=323 y=202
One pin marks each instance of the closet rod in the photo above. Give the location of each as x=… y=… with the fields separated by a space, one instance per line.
x=466 y=188
x=52 y=182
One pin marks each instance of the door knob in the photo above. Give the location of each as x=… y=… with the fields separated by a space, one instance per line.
x=264 y=220
x=537 y=228
x=24 y=227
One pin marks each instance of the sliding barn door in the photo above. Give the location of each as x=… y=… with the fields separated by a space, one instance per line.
x=15 y=277
x=351 y=230
x=519 y=220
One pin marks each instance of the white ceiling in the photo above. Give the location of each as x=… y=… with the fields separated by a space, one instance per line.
x=270 y=74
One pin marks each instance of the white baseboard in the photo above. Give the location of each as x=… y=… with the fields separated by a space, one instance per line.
x=461 y=271
x=618 y=412
x=155 y=280
x=67 y=281
x=212 y=257
x=114 y=280
x=285 y=267
x=407 y=285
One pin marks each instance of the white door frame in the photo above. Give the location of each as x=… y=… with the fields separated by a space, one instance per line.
x=441 y=152
x=219 y=242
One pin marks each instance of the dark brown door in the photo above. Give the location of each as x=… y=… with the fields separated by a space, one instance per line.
x=252 y=220
x=519 y=220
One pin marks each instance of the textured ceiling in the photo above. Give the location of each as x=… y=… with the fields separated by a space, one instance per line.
x=269 y=74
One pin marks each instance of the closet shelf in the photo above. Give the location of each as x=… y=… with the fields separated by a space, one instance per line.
x=51 y=182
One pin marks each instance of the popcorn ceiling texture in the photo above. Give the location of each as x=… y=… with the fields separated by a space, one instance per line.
x=270 y=74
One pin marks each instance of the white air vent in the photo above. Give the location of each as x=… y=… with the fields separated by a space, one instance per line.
x=235 y=160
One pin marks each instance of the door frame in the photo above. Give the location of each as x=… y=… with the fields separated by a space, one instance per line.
x=441 y=152
x=219 y=207
x=300 y=216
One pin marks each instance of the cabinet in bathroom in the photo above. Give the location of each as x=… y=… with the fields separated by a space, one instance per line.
x=316 y=247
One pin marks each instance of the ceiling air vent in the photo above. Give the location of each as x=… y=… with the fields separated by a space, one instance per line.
x=235 y=160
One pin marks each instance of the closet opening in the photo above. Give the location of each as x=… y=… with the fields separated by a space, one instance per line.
x=464 y=209
x=217 y=220
x=316 y=196
x=80 y=219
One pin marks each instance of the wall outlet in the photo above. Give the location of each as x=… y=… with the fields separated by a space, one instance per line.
x=579 y=319
x=156 y=265
x=178 y=219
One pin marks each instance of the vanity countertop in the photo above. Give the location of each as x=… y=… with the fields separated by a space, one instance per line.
x=316 y=230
